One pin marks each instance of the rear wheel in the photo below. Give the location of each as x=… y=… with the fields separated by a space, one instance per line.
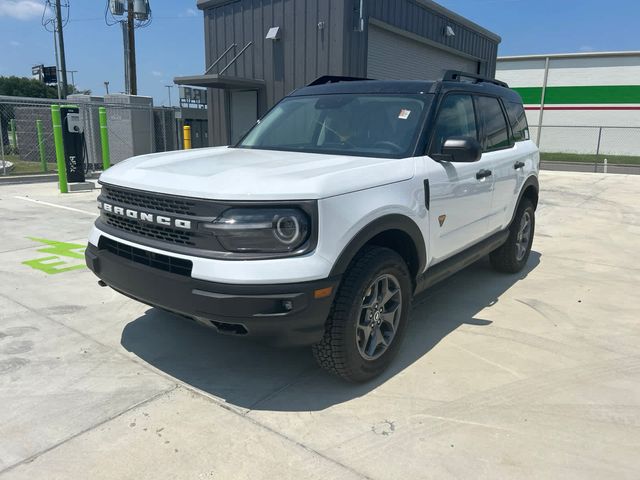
x=512 y=256
x=368 y=318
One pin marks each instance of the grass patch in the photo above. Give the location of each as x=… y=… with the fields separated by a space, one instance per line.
x=589 y=158
x=21 y=167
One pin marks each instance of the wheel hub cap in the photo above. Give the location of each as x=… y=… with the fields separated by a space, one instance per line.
x=379 y=316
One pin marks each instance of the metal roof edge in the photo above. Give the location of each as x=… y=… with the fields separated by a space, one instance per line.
x=204 y=4
x=454 y=16
x=542 y=56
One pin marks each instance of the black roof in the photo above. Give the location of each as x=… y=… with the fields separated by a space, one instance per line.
x=412 y=87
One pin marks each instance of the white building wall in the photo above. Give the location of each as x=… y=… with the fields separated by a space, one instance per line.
x=581 y=70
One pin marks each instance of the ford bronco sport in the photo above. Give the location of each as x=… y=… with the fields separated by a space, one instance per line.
x=320 y=225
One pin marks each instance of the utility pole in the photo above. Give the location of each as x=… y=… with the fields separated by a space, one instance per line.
x=125 y=43
x=106 y=86
x=55 y=46
x=132 y=49
x=169 y=87
x=129 y=20
x=63 y=63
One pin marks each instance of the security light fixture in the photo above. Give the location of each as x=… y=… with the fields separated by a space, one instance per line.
x=273 y=33
x=449 y=32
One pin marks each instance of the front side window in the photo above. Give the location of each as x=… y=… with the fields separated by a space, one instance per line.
x=518 y=121
x=494 y=125
x=456 y=118
x=345 y=124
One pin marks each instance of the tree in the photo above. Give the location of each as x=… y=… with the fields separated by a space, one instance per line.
x=27 y=87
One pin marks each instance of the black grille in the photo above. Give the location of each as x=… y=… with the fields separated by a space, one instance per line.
x=148 y=201
x=150 y=259
x=157 y=232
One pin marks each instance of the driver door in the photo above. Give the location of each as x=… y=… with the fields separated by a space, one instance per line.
x=460 y=193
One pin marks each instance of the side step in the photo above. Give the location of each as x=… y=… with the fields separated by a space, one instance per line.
x=463 y=259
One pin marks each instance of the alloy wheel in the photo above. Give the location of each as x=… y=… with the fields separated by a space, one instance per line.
x=379 y=316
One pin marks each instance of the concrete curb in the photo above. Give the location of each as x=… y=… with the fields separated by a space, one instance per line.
x=36 y=178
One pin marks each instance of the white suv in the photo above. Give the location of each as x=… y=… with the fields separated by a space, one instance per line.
x=334 y=210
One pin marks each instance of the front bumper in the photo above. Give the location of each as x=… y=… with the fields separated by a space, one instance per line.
x=282 y=314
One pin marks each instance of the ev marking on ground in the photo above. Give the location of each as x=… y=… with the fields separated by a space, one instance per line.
x=54 y=264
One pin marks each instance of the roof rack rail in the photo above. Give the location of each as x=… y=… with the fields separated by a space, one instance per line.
x=334 y=79
x=456 y=76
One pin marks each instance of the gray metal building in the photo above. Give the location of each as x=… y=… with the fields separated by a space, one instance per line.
x=257 y=51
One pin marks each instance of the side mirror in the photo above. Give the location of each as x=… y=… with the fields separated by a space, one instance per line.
x=462 y=149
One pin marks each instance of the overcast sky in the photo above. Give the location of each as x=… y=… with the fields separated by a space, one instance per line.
x=173 y=45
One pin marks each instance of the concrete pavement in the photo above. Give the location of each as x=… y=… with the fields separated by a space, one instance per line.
x=529 y=376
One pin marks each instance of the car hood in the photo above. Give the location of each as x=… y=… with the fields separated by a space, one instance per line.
x=224 y=173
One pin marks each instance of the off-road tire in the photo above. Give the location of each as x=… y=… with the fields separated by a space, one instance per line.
x=505 y=258
x=338 y=351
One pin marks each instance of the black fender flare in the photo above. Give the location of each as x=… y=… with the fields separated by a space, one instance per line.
x=531 y=181
x=376 y=227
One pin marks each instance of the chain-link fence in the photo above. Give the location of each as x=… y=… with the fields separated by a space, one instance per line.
x=591 y=147
x=134 y=127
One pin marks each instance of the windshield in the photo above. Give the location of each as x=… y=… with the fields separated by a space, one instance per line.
x=370 y=125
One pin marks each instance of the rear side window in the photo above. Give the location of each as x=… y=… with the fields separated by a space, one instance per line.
x=456 y=118
x=494 y=125
x=518 y=121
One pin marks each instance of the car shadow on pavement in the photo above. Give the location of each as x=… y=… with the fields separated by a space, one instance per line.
x=253 y=376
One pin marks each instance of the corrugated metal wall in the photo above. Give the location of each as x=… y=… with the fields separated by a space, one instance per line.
x=318 y=37
x=419 y=61
x=417 y=18
x=304 y=52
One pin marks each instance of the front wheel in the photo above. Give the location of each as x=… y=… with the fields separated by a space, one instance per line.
x=368 y=317
x=512 y=256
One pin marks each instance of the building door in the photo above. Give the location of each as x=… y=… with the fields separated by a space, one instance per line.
x=244 y=112
x=392 y=56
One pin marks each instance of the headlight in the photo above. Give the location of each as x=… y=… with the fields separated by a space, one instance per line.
x=261 y=230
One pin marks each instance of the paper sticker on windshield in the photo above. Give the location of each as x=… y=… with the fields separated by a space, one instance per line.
x=404 y=114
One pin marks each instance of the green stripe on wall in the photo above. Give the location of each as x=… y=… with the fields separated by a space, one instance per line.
x=580 y=95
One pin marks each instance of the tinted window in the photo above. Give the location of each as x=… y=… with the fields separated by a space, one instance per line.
x=344 y=124
x=518 y=121
x=456 y=118
x=495 y=130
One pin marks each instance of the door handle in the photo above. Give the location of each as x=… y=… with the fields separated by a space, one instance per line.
x=483 y=173
x=518 y=165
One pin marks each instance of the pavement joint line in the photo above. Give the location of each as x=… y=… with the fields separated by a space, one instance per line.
x=281 y=389
x=42 y=202
x=303 y=446
x=88 y=429
x=217 y=401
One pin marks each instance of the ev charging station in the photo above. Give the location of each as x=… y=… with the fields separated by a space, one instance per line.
x=74 y=144
x=71 y=150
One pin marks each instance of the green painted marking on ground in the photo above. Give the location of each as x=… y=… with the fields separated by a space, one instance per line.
x=585 y=94
x=55 y=263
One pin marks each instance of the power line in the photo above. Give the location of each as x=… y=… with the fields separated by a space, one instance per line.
x=55 y=17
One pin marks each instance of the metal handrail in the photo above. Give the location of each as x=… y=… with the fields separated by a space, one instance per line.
x=233 y=45
x=235 y=58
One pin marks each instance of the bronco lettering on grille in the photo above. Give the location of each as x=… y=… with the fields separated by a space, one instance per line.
x=145 y=216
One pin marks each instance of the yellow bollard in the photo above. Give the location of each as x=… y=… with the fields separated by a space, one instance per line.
x=186 y=137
